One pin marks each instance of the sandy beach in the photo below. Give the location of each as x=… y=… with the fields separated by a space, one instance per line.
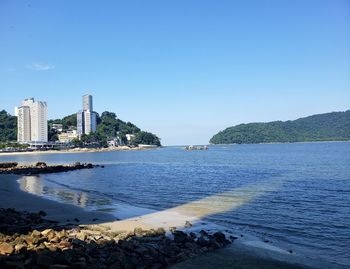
x=12 y=197
x=75 y=150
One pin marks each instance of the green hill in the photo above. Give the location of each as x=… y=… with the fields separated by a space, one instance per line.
x=108 y=125
x=334 y=126
x=8 y=127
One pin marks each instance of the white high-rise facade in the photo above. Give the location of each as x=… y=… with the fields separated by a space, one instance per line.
x=89 y=121
x=23 y=124
x=86 y=118
x=87 y=102
x=80 y=122
x=32 y=121
x=38 y=122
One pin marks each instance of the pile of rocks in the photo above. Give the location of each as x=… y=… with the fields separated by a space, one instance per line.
x=13 y=221
x=42 y=168
x=8 y=164
x=96 y=246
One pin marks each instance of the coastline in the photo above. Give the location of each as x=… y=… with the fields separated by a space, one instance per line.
x=272 y=143
x=76 y=150
x=11 y=196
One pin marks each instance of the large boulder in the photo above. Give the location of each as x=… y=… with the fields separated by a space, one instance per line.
x=6 y=248
x=8 y=164
x=41 y=164
x=180 y=237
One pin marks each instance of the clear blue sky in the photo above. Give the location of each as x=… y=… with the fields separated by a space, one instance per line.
x=182 y=69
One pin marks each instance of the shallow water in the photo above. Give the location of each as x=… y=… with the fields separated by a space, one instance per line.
x=296 y=196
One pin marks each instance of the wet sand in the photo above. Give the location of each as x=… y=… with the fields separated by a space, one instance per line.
x=238 y=256
x=12 y=197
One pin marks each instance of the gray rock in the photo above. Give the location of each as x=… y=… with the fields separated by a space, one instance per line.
x=180 y=237
x=47 y=232
x=203 y=241
x=220 y=237
x=6 y=248
x=19 y=247
x=214 y=244
x=188 y=224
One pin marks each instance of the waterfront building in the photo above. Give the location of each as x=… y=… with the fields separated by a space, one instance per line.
x=68 y=136
x=129 y=137
x=57 y=127
x=86 y=118
x=114 y=142
x=32 y=121
x=23 y=124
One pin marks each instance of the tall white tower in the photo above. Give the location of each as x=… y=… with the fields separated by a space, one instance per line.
x=87 y=102
x=32 y=121
x=38 y=122
x=89 y=121
x=23 y=124
x=86 y=119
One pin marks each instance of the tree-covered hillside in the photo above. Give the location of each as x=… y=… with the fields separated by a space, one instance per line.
x=8 y=127
x=67 y=121
x=109 y=126
x=334 y=126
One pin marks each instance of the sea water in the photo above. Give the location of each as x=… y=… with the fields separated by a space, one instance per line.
x=293 y=196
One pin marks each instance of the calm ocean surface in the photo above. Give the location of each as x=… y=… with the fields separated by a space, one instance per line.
x=304 y=189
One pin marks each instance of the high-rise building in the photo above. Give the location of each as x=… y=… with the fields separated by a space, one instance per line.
x=80 y=122
x=89 y=121
x=32 y=121
x=38 y=122
x=23 y=124
x=87 y=102
x=86 y=118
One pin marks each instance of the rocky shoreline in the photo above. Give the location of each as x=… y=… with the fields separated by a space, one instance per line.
x=76 y=150
x=27 y=240
x=41 y=168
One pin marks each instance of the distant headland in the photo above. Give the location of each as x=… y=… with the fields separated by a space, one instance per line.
x=334 y=126
x=111 y=134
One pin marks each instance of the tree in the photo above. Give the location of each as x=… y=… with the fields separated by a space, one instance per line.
x=146 y=138
x=8 y=127
x=67 y=121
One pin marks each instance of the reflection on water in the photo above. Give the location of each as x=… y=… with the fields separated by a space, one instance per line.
x=35 y=185
x=32 y=184
x=295 y=195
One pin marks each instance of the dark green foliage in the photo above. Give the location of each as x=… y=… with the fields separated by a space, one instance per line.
x=333 y=126
x=92 y=140
x=68 y=121
x=13 y=145
x=8 y=127
x=108 y=126
x=52 y=134
x=146 y=138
